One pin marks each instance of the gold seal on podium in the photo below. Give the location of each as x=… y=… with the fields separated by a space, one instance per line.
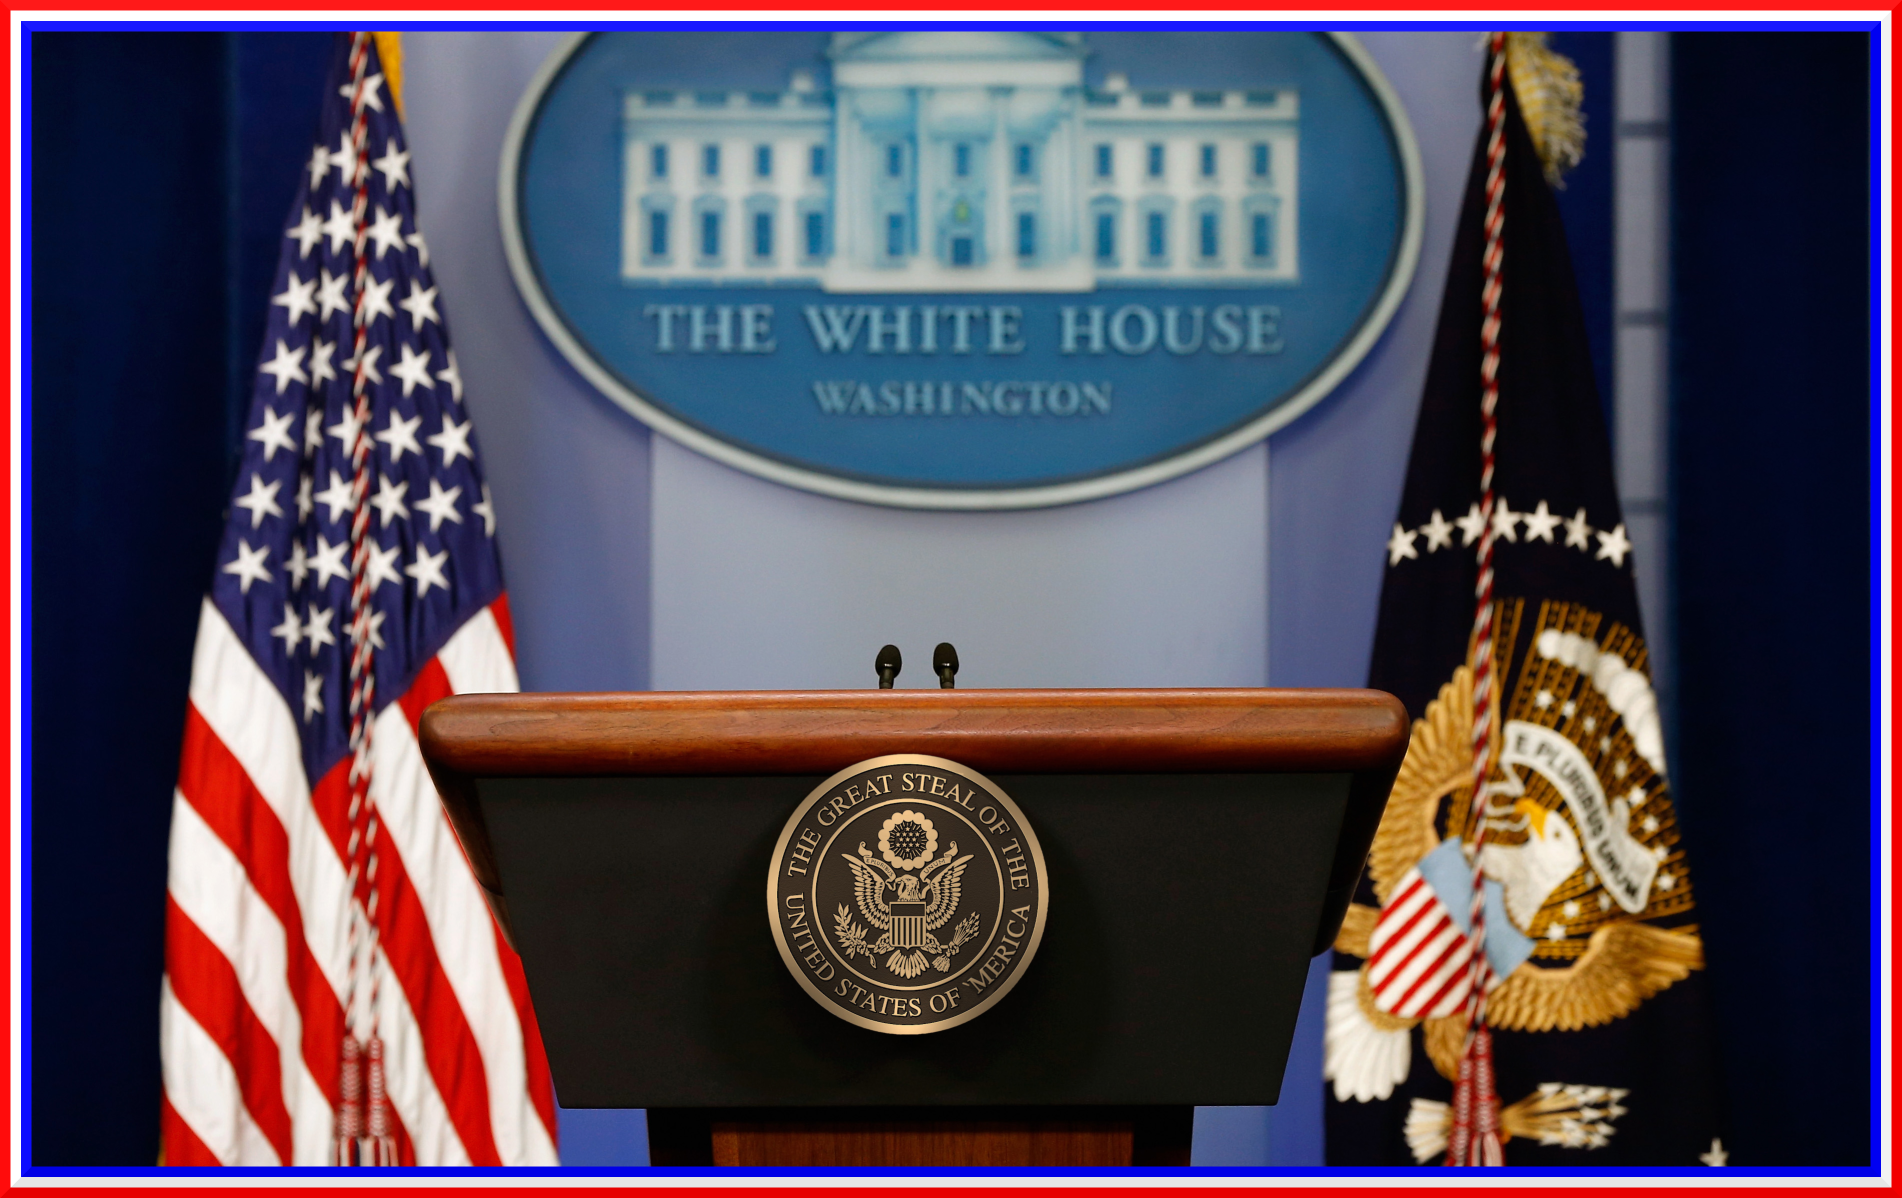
x=907 y=894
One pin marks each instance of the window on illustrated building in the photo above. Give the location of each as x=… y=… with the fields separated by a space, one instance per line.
x=1106 y=238
x=1261 y=160
x=657 y=162
x=763 y=161
x=762 y=234
x=895 y=161
x=961 y=160
x=709 y=234
x=1025 y=160
x=1026 y=235
x=1209 y=234
x=1208 y=161
x=895 y=235
x=1156 y=230
x=815 y=234
x=818 y=162
x=1155 y=160
x=1105 y=161
x=710 y=161
x=657 y=234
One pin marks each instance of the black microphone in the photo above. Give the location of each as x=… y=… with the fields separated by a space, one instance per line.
x=888 y=664
x=944 y=659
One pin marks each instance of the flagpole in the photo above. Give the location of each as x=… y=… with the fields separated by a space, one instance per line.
x=362 y=1137
x=1474 y=1138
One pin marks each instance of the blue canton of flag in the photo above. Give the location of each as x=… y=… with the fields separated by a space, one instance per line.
x=336 y=990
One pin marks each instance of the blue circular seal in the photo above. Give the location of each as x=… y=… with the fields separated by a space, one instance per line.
x=962 y=269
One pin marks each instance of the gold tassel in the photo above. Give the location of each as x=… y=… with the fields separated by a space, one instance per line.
x=1551 y=97
x=389 y=51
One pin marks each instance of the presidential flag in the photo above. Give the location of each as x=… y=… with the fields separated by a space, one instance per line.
x=336 y=991
x=1509 y=627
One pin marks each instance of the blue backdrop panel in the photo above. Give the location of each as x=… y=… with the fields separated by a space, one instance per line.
x=1771 y=373
x=161 y=166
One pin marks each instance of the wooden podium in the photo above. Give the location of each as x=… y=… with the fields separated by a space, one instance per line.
x=1201 y=847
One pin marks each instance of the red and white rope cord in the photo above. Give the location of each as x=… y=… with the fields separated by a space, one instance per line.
x=1474 y=1139
x=363 y=1137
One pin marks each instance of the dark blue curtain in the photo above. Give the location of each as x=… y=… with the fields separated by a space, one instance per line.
x=161 y=166
x=1772 y=440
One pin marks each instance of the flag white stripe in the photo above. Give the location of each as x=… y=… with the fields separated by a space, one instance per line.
x=217 y=896
x=1455 y=964
x=203 y=1088
x=477 y=660
x=1426 y=956
x=1394 y=952
x=412 y=1089
x=249 y=716
x=458 y=924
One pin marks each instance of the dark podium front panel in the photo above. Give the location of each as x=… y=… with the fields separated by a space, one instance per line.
x=1183 y=910
x=1200 y=847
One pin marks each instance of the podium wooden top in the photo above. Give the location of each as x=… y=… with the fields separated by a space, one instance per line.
x=1007 y=731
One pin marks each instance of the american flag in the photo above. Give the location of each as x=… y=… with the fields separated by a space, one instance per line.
x=319 y=906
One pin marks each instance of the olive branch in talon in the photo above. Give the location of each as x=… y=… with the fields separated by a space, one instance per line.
x=851 y=935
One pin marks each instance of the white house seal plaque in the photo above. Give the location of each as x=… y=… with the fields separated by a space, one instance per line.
x=907 y=894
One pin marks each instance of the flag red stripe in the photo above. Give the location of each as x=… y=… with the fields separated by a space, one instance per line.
x=504 y=621
x=207 y=988
x=1458 y=977
x=1432 y=971
x=449 y=1045
x=1388 y=943
x=217 y=787
x=541 y=1087
x=432 y=683
x=179 y=1143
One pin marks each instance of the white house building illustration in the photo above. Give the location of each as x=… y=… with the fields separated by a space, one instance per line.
x=960 y=161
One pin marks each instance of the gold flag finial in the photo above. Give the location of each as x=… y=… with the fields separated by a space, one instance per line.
x=1551 y=99
x=389 y=50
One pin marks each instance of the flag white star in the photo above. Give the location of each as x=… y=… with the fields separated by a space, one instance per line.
x=296 y=297
x=313 y=428
x=317 y=627
x=287 y=367
x=441 y=505
x=413 y=369
x=249 y=566
x=1539 y=524
x=308 y=231
x=1506 y=521
x=339 y=228
x=452 y=376
x=313 y=694
x=370 y=354
x=320 y=367
x=1400 y=545
x=328 y=560
x=319 y=165
x=330 y=295
x=388 y=500
x=386 y=230
x=304 y=504
x=344 y=158
x=274 y=433
x=347 y=429
x=401 y=435
x=486 y=510
x=381 y=566
x=1439 y=534
x=376 y=300
x=298 y=564
x=336 y=496
x=1471 y=525
x=1716 y=1157
x=261 y=501
x=375 y=622
x=427 y=570
x=422 y=247
x=453 y=440
x=1613 y=545
x=421 y=305
x=290 y=630
x=1577 y=532
x=395 y=166
x=371 y=100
